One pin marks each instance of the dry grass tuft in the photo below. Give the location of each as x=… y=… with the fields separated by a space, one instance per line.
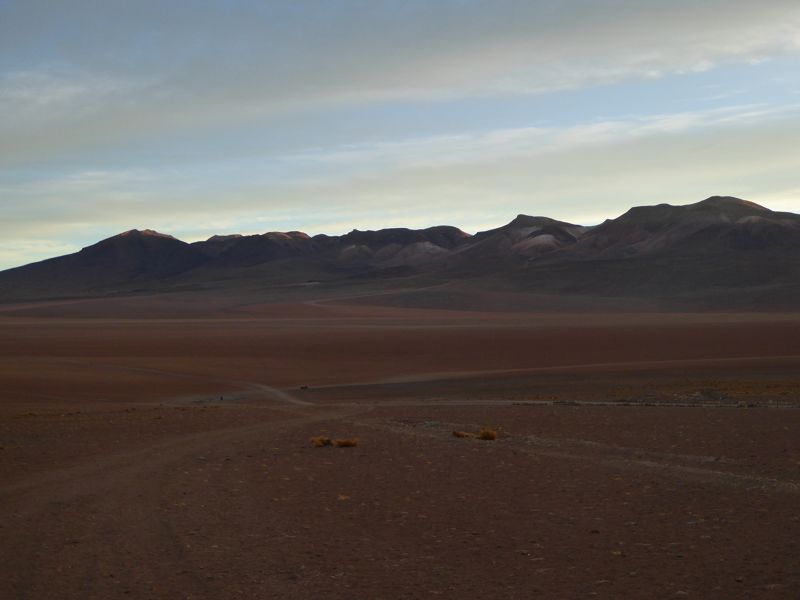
x=487 y=433
x=321 y=440
x=347 y=443
x=463 y=434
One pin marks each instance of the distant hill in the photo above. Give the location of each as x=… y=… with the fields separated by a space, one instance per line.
x=124 y=261
x=717 y=224
x=720 y=252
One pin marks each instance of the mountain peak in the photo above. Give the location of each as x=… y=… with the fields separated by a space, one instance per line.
x=286 y=235
x=134 y=233
x=714 y=208
x=723 y=202
x=702 y=227
x=224 y=238
x=530 y=221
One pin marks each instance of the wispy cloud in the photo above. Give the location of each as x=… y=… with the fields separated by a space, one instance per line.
x=436 y=151
x=234 y=63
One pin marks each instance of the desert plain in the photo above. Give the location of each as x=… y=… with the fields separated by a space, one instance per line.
x=154 y=448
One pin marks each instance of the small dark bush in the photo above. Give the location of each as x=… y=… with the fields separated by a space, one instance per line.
x=347 y=443
x=487 y=434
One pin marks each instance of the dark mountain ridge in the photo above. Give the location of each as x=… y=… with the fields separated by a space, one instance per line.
x=699 y=250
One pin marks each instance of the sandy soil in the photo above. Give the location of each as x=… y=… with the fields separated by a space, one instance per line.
x=639 y=456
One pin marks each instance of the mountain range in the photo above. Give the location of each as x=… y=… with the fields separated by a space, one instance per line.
x=722 y=252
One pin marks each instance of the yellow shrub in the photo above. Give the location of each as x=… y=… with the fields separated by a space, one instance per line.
x=321 y=440
x=347 y=443
x=487 y=434
x=463 y=434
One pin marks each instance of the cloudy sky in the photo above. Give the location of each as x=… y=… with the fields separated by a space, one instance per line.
x=210 y=116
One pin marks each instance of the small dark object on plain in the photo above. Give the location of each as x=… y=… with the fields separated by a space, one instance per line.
x=487 y=434
x=347 y=443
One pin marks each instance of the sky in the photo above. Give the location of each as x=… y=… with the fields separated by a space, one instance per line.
x=209 y=117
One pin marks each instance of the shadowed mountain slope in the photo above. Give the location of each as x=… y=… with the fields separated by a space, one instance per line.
x=226 y=251
x=387 y=248
x=717 y=224
x=526 y=237
x=122 y=261
x=721 y=251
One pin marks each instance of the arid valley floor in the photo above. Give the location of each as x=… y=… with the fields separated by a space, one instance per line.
x=152 y=450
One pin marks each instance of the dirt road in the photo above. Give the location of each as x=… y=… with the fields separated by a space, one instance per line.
x=124 y=475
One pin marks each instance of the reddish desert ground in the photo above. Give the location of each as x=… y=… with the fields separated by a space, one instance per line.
x=151 y=449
